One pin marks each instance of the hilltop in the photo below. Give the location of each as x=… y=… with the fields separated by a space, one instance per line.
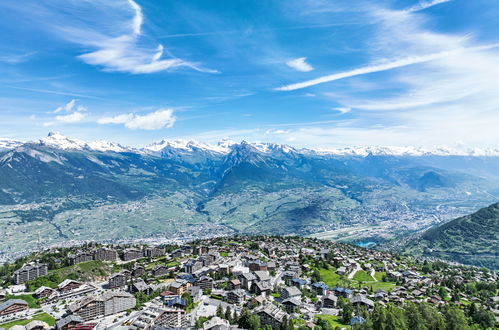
x=472 y=239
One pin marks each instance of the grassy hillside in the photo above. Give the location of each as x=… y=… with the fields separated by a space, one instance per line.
x=472 y=239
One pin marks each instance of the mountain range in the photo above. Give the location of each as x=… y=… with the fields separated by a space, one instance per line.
x=59 y=190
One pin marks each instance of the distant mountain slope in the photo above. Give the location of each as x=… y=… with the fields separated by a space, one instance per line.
x=472 y=239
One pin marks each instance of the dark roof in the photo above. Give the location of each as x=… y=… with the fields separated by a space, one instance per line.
x=321 y=285
x=11 y=302
x=342 y=290
x=176 y=301
x=68 y=319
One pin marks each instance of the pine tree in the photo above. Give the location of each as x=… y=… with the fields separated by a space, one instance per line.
x=455 y=319
x=415 y=320
x=220 y=311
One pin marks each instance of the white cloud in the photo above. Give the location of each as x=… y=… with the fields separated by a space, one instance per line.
x=300 y=64
x=152 y=121
x=342 y=110
x=119 y=119
x=75 y=113
x=67 y=107
x=71 y=118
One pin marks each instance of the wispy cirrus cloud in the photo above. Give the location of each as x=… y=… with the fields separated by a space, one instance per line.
x=425 y=4
x=110 y=33
x=300 y=64
x=162 y=118
x=70 y=107
x=384 y=67
x=16 y=58
x=121 y=53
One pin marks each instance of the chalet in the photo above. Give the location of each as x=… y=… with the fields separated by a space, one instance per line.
x=177 y=253
x=44 y=292
x=291 y=305
x=195 y=292
x=205 y=283
x=13 y=306
x=329 y=301
x=192 y=266
x=138 y=271
x=363 y=301
x=209 y=258
x=36 y=325
x=68 y=285
x=262 y=276
x=236 y=296
x=247 y=280
x=320 y=288
x=271 y=266
x=140 y=286
x=176 y=302
x=298 y=282
x=159 y=270
x=117 y=280
x=261 y=288
x=271 y=315
x=201 y=250
x=341 y=270
x=69 y=322
x=343 y=292
x=234 y=285
x=290 y=292
x=179 y=286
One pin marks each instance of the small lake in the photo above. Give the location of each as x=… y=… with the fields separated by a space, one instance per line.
x=367 y=245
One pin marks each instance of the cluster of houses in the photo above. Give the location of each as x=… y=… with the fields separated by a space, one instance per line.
x=271 y=277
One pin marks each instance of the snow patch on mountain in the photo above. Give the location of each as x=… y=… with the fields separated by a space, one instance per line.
x=59 y=141
x=6 y=144
x=186 y=145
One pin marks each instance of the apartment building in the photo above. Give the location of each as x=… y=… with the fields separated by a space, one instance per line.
x=109 y=303
x=105 y=254
x=29 y=272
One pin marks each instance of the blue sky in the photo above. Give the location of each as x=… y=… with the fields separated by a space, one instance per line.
x=310 y=73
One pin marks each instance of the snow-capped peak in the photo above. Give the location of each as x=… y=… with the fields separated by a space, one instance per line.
x=102 y=145
x=407 y=151
x=186 y=145
x=59 y=141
